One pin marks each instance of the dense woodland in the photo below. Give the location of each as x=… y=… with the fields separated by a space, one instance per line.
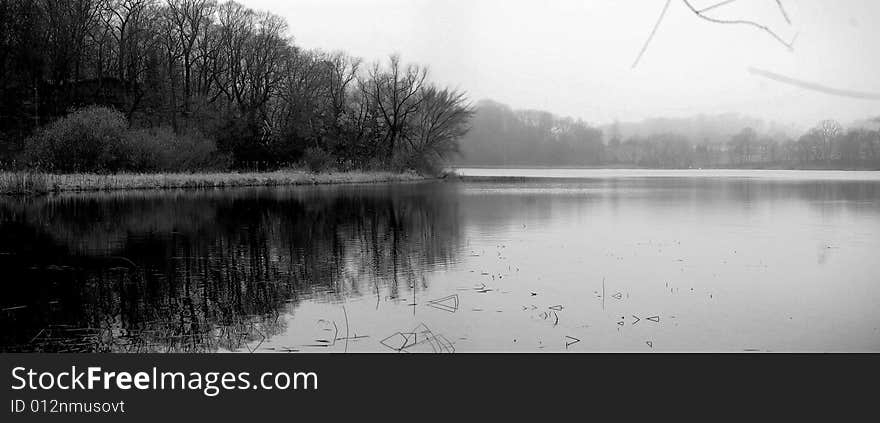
x=109 y=85
x=501 y=136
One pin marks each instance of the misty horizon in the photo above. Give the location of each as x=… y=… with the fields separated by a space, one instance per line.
x=574 y=58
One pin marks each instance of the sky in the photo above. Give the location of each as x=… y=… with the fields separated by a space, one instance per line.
x=575 y=57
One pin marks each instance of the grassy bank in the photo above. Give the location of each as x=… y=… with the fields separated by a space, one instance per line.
x=29 y=183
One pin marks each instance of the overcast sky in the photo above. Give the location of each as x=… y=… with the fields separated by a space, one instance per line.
x=574 y=57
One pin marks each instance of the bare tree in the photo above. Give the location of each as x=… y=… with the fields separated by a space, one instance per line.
x=129 y=23
x=69 y=23
x=394 y=92
x=342 y=70
x=266 y=53
x=172 y=51
x=300 y=96
x=235 y=26
x=442 y=118
x=189 y=20
x=828 y=131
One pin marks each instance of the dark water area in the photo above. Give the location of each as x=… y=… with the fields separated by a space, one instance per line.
x=202 y=271
x=614 y=262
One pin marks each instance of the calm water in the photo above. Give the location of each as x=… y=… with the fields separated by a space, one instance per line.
x=612 y=261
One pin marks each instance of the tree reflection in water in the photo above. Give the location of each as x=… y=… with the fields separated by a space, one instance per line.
x=209 y=270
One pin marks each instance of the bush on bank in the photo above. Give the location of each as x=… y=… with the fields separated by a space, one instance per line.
x=99 y=139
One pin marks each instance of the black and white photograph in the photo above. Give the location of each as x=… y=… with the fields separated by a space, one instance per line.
x=479 y=210
x=439 y=176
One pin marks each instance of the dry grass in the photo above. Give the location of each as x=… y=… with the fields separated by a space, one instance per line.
x=26 y=183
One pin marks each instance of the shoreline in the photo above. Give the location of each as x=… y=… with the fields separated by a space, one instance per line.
x=35 y=184
x=545 y=175
x=625 y=167
x=30 y=184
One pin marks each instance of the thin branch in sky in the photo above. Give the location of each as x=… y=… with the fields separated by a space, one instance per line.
x=701 y=14
x=782 y=10
x=706 y=9
x=787 y=44
x=653 y=31
x=814 y=86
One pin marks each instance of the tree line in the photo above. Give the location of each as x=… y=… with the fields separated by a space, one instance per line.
x=502 y=136
x=214 y=77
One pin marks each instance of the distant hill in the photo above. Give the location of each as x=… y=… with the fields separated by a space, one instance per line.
x=503 y=136
x=701 y=128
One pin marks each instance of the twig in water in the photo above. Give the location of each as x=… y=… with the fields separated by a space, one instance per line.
x=37 y=335
x=346 y=328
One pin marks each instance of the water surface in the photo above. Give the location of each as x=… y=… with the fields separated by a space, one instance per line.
x=606 y=261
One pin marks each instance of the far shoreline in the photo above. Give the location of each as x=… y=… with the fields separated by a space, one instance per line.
x=531 y=174
x=37 y=183
x=633 y=167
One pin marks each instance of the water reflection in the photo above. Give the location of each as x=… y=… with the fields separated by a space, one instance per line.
x=207 y=271
x=607 y=263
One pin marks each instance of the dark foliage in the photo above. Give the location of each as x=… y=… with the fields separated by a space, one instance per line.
x=98 y=139
x=219 y=70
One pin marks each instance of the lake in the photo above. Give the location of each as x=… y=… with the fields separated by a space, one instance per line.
x=551 y=260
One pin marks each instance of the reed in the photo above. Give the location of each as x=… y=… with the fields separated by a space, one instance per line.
x=24 y=183
x=30 y=183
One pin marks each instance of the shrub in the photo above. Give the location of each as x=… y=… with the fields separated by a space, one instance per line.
x=317 y=159
x=88 y=139
x=425 y=164
x=160 y=149
x=97 y=139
